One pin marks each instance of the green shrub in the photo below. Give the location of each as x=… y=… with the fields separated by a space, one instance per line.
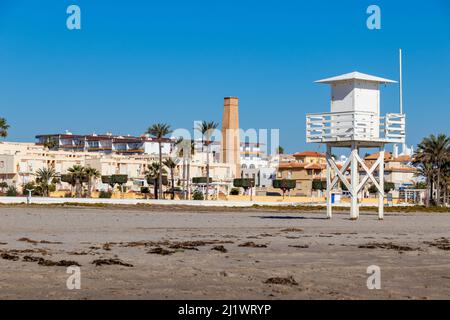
x=234 y=192
x=37 y=190
x=244 y=183
x=119 y=178
x=388 y=186
x=105 y=194
x=284 y=184
x=198 y=195
x=200 y=180
x=11 y=192
x=319 y=185
x=3 y=186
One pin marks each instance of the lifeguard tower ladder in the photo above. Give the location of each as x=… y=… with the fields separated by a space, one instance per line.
x=355 y=122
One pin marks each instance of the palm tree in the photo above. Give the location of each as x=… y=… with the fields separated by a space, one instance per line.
x=3 y=186
x=186 y=151
x=91 y=174
x=207 y=129
x=171 y=164
x=152 y=174
x=78 y=174
x=431 y=156
x=159 y=131
x=3 y=128
x=427 y=171
x=44 y=178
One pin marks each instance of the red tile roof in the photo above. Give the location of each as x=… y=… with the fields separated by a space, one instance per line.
x=309 y=154
x=374 y=156
x=301 y=165
x=315 y=166
x=402 y=159
x=291 y=165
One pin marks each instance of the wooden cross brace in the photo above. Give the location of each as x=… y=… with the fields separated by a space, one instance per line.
x=369 y=173
x=339 y=173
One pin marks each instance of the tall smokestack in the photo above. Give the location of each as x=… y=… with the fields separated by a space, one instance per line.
x=230 y=134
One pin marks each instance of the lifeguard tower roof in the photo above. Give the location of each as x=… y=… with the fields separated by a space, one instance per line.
x=355 y=76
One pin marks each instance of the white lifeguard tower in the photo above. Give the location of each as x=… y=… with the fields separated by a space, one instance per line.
x=355 y=122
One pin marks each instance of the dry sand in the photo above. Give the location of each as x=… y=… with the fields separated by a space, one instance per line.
x=322 y=256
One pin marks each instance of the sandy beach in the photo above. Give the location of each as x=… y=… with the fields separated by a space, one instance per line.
x=166 y=253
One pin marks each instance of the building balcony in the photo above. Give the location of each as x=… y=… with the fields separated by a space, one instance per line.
x=99 y=149
x=354 y=126
x=71 y=146
x=129 y=151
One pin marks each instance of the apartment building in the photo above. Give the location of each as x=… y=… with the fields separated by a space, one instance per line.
x=106 y=143
x=305 y=167
x=397 y=170
x=19 y=163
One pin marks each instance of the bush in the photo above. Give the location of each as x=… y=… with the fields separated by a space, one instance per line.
x=119 y=178
x=234 y=192
x=284 y=184
x=244 y=183
x=319 y=185
x=200 y=180
x=3 y=185
x=388 y=186
x=11 y=192
x=105 y=194
x=198 y=195
x=37 y=191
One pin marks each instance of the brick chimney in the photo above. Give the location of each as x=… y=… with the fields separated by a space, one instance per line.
x=230 y=134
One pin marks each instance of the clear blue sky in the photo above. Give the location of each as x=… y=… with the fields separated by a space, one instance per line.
x=135 y=63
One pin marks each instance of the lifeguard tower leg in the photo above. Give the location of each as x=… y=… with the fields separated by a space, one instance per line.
x=381 y=180
x=328 y=192
x=354 y=207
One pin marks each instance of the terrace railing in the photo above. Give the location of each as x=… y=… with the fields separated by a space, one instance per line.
x=355 y=126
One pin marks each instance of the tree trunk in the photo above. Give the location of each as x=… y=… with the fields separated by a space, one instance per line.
x=188 y=179
x=438 y=187
x=184 y=179
x=431 y=190
x=78 y=188
x=207 y=172
x=155 y=188
x=89 y=187
x=173 y=183
x=160 y=171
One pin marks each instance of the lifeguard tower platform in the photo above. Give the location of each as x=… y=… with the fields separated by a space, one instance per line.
x=355 y=122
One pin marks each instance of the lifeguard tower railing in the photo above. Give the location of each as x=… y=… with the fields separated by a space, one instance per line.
x=355 y=126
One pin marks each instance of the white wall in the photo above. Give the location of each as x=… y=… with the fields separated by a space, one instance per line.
x=153 y=148
x=342 y=96
x=367 y=97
